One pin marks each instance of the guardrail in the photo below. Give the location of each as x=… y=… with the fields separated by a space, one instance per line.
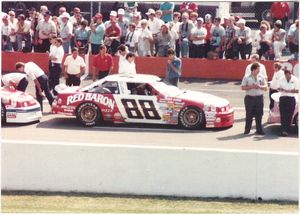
x=176 y=171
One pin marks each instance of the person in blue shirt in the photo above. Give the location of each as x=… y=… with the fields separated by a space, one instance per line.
x=167 y=9
x=173 y=68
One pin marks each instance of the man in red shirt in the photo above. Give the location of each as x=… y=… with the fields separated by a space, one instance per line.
x=112 y=37
x=208 y=25
x=280 y=11
x=103 y=64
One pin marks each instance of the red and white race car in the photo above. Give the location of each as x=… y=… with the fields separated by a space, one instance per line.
x=274 y=114
x=18 y=107
x=142 y=99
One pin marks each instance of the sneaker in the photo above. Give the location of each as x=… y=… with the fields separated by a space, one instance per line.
x=260 y=132
x=284 y=134
x=246 y=131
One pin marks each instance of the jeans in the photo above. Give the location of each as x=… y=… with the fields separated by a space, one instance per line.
x=66 y=47
x=184 y=47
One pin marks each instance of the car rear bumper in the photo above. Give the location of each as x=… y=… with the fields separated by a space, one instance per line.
x=23 y=115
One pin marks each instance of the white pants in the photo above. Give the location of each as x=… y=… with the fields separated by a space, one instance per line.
x=278 y=46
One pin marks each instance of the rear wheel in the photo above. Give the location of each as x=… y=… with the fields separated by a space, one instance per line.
x=3 y=114
x=192 y=118
x=88 y=114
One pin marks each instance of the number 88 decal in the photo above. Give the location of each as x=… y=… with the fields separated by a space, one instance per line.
x=133 y=111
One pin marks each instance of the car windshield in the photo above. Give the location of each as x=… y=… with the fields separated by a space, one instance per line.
x=166 y=89
x=91 y=86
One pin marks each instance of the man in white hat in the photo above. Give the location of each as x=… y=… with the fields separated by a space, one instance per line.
x=123 y=23
x=66 y=31
x=198 y=35
x=154 y=27
x=208 y=25
x=243 y=40
x=112 y=18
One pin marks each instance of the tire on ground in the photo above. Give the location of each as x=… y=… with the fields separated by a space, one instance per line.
x=192 y=118
x=88 y=114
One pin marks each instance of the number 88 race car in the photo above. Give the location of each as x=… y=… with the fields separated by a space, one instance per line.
x=142 y=99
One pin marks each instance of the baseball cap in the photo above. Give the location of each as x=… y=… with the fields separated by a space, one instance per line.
x=121 y=11
x=241 y=21
x=65 y=15
x=113 y=13
x=47 y=13
x=200 y=19
x=207 y=16
x=150 y=11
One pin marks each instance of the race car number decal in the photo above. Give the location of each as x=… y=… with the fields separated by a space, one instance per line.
x=133 y=111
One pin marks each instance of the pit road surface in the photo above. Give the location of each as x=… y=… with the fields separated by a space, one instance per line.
x=59 y=128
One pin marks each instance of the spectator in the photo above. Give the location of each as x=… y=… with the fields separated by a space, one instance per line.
x=23 y=34
x=188 y=7
x=262 y=69
x=208 y=25
x=293 y=40
x=137 y=20
x=230 y=33
x=154 y=27
x=243 y=40
x=103 y=64
x=130 y=10
x=131 y=39
x=158 y=15
x=218 y=38
x=173 y=68
x=280 y=11
x=13 y=23
x=263 y=42
x=74 y=66
x=66 y=31
x=15 y=80
x=173 y=34
x=175 y=25
x=193 y=18
x=5 y=32
x=112 y=18
x=278 y=39
x=76 y=20
x=123 y=23
x=97 y=33
x=225 y=21
x=56 y=55
x=34 y=23
x=265 y=22
x=57 y=25
x=167 y=9
x=254 y=85
x=144 y=40
x=122 y=52
x=81 y=37
x=184 y=35
x=289 y=87
x=274 y=84
x=43 y=10
x=112 y=37
x=127 y=66
x=198 y=35
x=45 y=30
x=163 y=41
x=40 y=79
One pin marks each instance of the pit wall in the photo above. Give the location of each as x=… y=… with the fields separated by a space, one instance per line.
x=118 y=169
x=191 y=68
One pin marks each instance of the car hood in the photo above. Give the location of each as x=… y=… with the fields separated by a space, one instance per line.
x=62 y=88
x=205 y=98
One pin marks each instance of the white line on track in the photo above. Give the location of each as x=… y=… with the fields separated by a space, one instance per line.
x=139 y=146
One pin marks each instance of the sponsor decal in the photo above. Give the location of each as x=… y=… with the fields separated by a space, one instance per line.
x=11 y=115
x=170 y=108
x=98 y=98
x=117 y=116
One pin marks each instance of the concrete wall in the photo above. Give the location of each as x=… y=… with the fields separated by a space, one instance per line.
x=149 y=171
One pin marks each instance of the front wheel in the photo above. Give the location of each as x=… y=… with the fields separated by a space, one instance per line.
x=192 y=118
x=88 y=114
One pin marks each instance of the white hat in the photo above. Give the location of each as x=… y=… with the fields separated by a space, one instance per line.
x=65 y=15
x=121 y=11
x=241 y=21
x=200 y=18
x=113 y=13
x=207 y=16
x=150 y=11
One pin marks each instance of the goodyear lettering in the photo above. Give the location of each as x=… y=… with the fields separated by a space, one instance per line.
x=98 y=98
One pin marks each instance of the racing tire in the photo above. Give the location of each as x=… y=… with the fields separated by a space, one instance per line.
x=192 y=118
x=88 y=114
x=3 y=114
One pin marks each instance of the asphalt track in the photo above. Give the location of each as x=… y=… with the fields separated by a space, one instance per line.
x=58 y=128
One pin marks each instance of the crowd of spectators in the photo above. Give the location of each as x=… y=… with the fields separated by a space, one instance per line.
x=190 y=35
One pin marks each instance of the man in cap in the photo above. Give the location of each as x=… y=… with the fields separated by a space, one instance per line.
x=154 y=26
x=66 y=31
x=243 y=40
x=123 y=23
x=13 y=23
x=208 y=25
x=198 y=35
x=97 y=33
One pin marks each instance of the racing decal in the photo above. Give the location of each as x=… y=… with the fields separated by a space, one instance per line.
x=170 y=108
x=98 y=98
x=147 y=107
x=11 y=115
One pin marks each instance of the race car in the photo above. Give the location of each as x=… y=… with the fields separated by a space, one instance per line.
x=274 y=114
x=18 y=107
x=142 y=99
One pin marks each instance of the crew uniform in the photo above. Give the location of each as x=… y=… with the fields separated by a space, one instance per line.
x=254 y=102
x=36 y=73
x=287 y=102
x=20 y=80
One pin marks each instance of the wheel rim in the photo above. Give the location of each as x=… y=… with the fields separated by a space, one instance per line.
x=88 y=114
x=191 y=117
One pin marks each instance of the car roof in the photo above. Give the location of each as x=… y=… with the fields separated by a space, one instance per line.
x=141 y=78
